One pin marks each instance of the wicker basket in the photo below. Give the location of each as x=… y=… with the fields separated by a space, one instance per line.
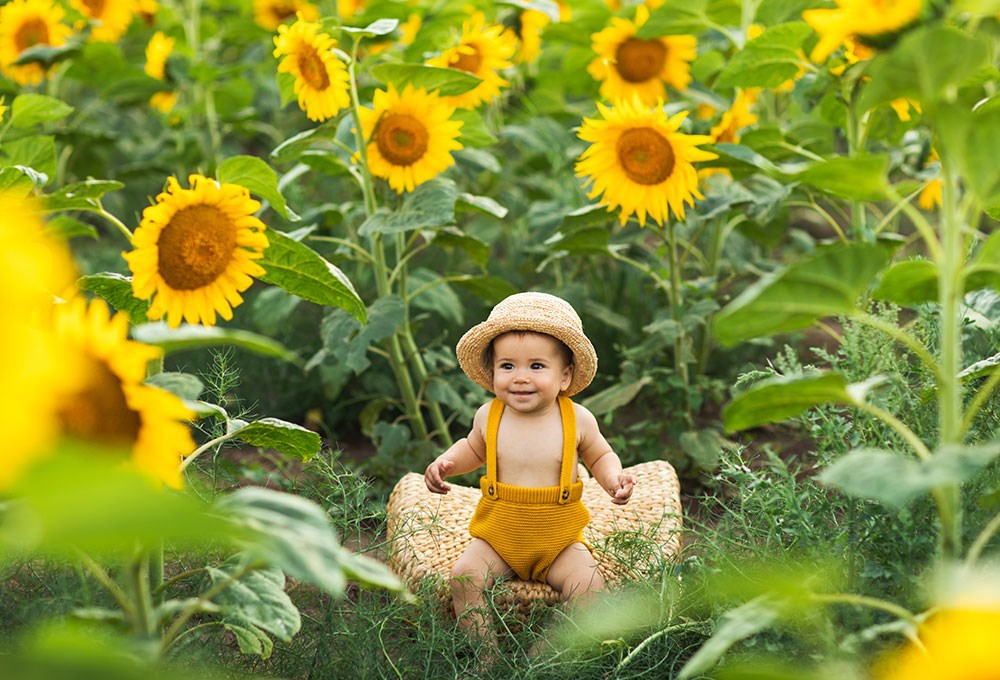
x=427 y=532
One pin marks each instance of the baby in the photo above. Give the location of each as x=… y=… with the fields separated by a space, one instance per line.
x=532 y=354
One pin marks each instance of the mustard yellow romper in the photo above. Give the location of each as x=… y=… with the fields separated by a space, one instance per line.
x=530 y=526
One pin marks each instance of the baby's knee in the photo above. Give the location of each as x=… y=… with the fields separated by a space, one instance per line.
x=469 y=573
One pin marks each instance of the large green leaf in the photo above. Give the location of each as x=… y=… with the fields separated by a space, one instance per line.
x=984 y=269
x=768 y=60
x=300 y=270
x=348 y=341
x=735 y=625
x=971 y=141
x=84 y=195
x=116 y=289
x=925 y=66
x=909 y=283
x=777 y=399
x=258 y=178
x=19 y=181
x=294 y=534
x=188 y=336
x=30 y=109
x=829 y=282
x=894 y=479
x=676 y=17
x=256 y=598
x=861 y=178
x=616 y=396
x=274 y=433
x=37 y=152
x=184 y=385
x=430 y=205
x=447 y=81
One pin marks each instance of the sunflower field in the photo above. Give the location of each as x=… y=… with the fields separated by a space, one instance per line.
x=239 y=241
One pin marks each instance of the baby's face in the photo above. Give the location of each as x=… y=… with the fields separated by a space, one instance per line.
x=529 y=370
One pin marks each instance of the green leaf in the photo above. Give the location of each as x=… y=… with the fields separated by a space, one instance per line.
x=256 y=598
x=377 y=27
x=829 y=282
x=926 y=65
x=894 y=479
x=474 y=131
x=861 y=178
x=983 y=271
x=676 y=17
x=293 y=147
x=116 y=289
x=436 y=295
x=84 y=195
x=300 y=270
x=37 y=152
x=342 y=337
x=491 y=289
x=66 y=227
x=47 y=55
x=31 y=109
x=583 y=241
x=294 y=534
x=483 y=204
x=705 y=447
x=19 y=181
x=777 y=399
x=188 y=336
x=981 y=368
x=448 y=82
x=288 y=438
x=972 y=140
x=745 y=154
x=768 y=60
x=258 y=178
x=909 y=283
x=430 y=205
x=184 y=385
x=452 y=237
x=616 y=396
x=735 y=625
x=251 y=640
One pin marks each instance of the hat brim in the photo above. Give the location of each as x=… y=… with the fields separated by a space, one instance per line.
x=472 y=347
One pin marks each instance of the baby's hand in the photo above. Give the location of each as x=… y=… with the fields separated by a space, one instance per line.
x=435 y=474
x=621 y=494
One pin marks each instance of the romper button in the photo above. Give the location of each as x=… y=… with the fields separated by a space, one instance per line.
x=490 y=490
x=565 y=494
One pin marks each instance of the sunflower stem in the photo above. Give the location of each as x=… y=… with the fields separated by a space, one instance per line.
x=126 y=232
x=675 y=299
x=397 y=361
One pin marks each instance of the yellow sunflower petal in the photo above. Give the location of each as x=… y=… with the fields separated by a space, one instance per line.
x=321 y=79
x=25 y=24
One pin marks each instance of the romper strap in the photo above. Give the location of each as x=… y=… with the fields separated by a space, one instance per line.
x=492 y=427
x=569 y=448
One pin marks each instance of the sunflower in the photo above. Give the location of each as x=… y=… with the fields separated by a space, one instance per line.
x=483 y=50
x=410 y=136
x=321 y=79
x=727 y=130
x=269 y=14
x=3 y=108
x=25 y=24
x=35 y=366
x=409 y=29
x=157 y=52
x=956 y=644
x=348 y=8
x=195 y=250
x=628 y=65
x=147 y=11
x=902 y=107
x=111 y=17
x=639 y=161
x=861 y=19
x=531 y=24
x=112 y=406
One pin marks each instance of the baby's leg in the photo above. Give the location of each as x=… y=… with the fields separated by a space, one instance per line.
x=475 y=571
x=574 y=572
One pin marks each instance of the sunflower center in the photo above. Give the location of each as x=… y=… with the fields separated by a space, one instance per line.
x=283 y=10
x=639 y=60
x=401 y=139
x=313 y=70
x=645 y=155
x=466 y=61
x=196 y=247
x=100 y=411
x=32 y=32
x=96 y=7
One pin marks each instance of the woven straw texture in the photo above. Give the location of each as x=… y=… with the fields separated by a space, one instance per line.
x=427 y=532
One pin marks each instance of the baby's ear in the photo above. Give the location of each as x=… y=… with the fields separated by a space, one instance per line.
x=567 y=377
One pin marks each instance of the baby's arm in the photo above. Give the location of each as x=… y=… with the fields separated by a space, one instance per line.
x=602 y=462
x=465 y=455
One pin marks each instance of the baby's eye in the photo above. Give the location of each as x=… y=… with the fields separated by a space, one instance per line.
x=506 y=366
x=537 y=366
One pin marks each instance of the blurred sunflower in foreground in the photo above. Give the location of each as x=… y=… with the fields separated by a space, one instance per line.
x=628 y=66
x=195 y=251
x=955 y=644
x=37 y=368
x=25 y=24
x=321 y=79
x=639 y=162
x=112 y=406
x=410 y=136
x=483 y=50
x=864 y=20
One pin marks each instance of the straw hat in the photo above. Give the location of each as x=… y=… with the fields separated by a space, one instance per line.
x=539 y=312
